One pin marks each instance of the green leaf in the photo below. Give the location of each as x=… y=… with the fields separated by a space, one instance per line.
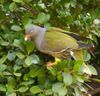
x=83 y=89
x=42 y=18
x=16 y=28
x=18 y=1
x=6 y=73
x=12 y=6
x=20 y=55
x=26 y=19
x=11 y=84
x=86 y=2
x=35 y=89
x=23 y=89
x=87 y=56
x=77 y=92
x=26 y=77
x=2 y=88
x=63 y=91
x=18 y=74
x=41 y=78
x=69 y=19
x=48 y=92
x=32 y=59
x=27 y=83
x=11 y=56
x=18 y=44
x=59 y=76
x=52 y=70
x=16 y=68
x=41 y=94
x=11 y=94
x=92 y=69
x=28 y=1
x=59 y=88
x=30 y=46
x=33 y=72
x=85 y=69
x=3 y=59
x=2 y=15
x=2 y=67
x=4 y=43
x=67 y=78
x=77 y=65
x=80 y=79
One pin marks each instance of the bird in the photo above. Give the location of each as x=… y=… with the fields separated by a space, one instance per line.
x=56 y=42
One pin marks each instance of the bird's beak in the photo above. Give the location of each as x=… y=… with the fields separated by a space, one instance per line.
x=27 y=37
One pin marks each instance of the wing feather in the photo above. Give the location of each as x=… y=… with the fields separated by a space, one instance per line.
x=57 y=41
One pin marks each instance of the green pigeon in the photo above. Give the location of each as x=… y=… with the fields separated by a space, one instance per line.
x=56 y=42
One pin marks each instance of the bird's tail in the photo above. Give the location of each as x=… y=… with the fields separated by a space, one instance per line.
x=86 y=46
x=83 y=45
x=89 y=47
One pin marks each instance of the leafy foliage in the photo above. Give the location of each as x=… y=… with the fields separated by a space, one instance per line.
x=23 y=71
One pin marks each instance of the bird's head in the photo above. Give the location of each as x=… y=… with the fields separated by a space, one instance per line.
x=31 y=31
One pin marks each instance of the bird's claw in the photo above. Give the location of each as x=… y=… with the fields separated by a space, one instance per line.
x=50 y=64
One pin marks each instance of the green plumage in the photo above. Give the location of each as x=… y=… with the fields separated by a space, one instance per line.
x=56 y=42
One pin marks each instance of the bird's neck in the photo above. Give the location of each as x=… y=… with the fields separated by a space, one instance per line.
x=40 y=39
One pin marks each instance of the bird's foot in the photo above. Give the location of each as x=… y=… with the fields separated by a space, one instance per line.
x=50 y=64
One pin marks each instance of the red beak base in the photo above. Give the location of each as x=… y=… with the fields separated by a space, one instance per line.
x=27 y=37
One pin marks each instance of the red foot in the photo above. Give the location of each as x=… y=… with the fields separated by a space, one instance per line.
x=50 y=64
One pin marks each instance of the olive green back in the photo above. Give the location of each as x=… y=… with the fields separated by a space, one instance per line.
x=56 y=41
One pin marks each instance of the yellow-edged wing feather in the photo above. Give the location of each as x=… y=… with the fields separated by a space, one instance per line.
x=57 y=41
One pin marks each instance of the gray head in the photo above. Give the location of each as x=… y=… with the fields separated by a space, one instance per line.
x=32 y=31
